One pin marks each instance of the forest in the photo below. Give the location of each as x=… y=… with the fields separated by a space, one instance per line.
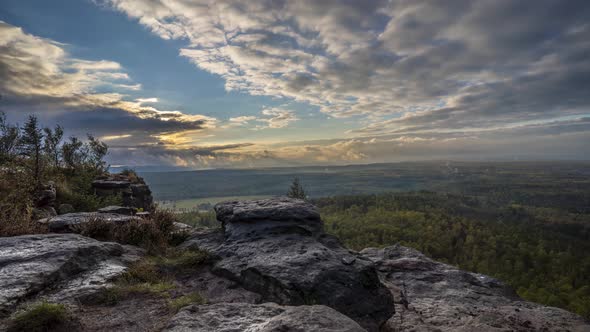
x=542 y=252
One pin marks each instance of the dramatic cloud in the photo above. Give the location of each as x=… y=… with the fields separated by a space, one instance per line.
x=428 y=65
x=39 y=76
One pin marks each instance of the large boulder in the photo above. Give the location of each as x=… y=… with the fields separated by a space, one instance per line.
x=280 y=214
x=269 y=317
x=67 y=222
x=438 y=297
x=285 y=256
x=133 y=190
x=60 y=267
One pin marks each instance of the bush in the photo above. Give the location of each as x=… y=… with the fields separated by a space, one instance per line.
x=42 y=317
x=16 y=201
x=154 y=233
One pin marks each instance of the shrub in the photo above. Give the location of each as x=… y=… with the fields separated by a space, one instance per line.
x=139 y=232
x=42 y=317
x=180 y=302
x=16 y=202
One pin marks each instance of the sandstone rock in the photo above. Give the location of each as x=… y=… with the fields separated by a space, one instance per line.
x=126 y=210
x=64 y=222
x=438 y=297
x=267 y=317
x=295 y=264
x=65 y=208
x=134 y=192
x=245 y=218
x=182 y=227
x=142 y=197
x=59 y=266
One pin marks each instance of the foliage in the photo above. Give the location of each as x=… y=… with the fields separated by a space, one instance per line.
x=524 y=246
x=41 y=317
x=185 y=300
x=31 y=155
x=199 y=219
x=296 y=190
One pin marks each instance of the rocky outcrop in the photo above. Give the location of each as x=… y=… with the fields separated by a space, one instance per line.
x=230 y=317
x=246 y=219
x=277 y=248
x=45 y=201
x=60 y=267
x=66 y=222
x=438 y=297
x=133 y=190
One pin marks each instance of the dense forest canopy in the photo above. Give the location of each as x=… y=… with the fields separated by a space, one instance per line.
x=542 y=252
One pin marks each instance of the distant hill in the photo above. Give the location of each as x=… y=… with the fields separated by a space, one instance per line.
x=541 y=182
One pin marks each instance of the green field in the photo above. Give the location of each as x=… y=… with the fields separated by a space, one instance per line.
x=193 y=204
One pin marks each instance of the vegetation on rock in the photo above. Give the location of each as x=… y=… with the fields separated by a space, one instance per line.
x=42 y=317
x=32 y=155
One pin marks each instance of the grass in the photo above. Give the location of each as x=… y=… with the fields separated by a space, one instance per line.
x=185 y=300
x=153 y=275
x=42 y=317
x=190 y=204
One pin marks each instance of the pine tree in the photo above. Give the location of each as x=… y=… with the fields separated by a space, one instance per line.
x=296 y=190
x=31 y=146
x=9 y=137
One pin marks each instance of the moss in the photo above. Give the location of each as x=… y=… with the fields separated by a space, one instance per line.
x=185 y=300
x=187 y=259
x=42 y=317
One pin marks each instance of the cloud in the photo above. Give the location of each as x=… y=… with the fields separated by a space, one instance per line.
x=275 y=117
x=398 y=64
x=38 y=75
x=564 y=140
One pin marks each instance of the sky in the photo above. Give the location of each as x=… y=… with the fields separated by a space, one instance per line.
x=227 y=83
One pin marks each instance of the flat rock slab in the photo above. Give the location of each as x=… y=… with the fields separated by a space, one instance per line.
x=59 y=266
x=64 y=222
x=126 y=210
x=232 y=317
x=246 y=218
x=439 y=297
x=110 y=184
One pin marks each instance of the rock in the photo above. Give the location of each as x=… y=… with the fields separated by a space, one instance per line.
x=241 y=218
x=65 y=208
x=143 y=214
x=266 y=317
x=438 y=297
x=60 y=267
x=142 y=197
x=289 y=260
x=133 y=191
x=46 y=195
x=182 y=227
x=65 y=222
x=108 y=185
x=126 y=210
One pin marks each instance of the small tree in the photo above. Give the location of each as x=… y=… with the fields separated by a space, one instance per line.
x=31 y=146
x=9 y=138
x=72 y=153
x=52 y=141
x=97 y=150
x=296 y=190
